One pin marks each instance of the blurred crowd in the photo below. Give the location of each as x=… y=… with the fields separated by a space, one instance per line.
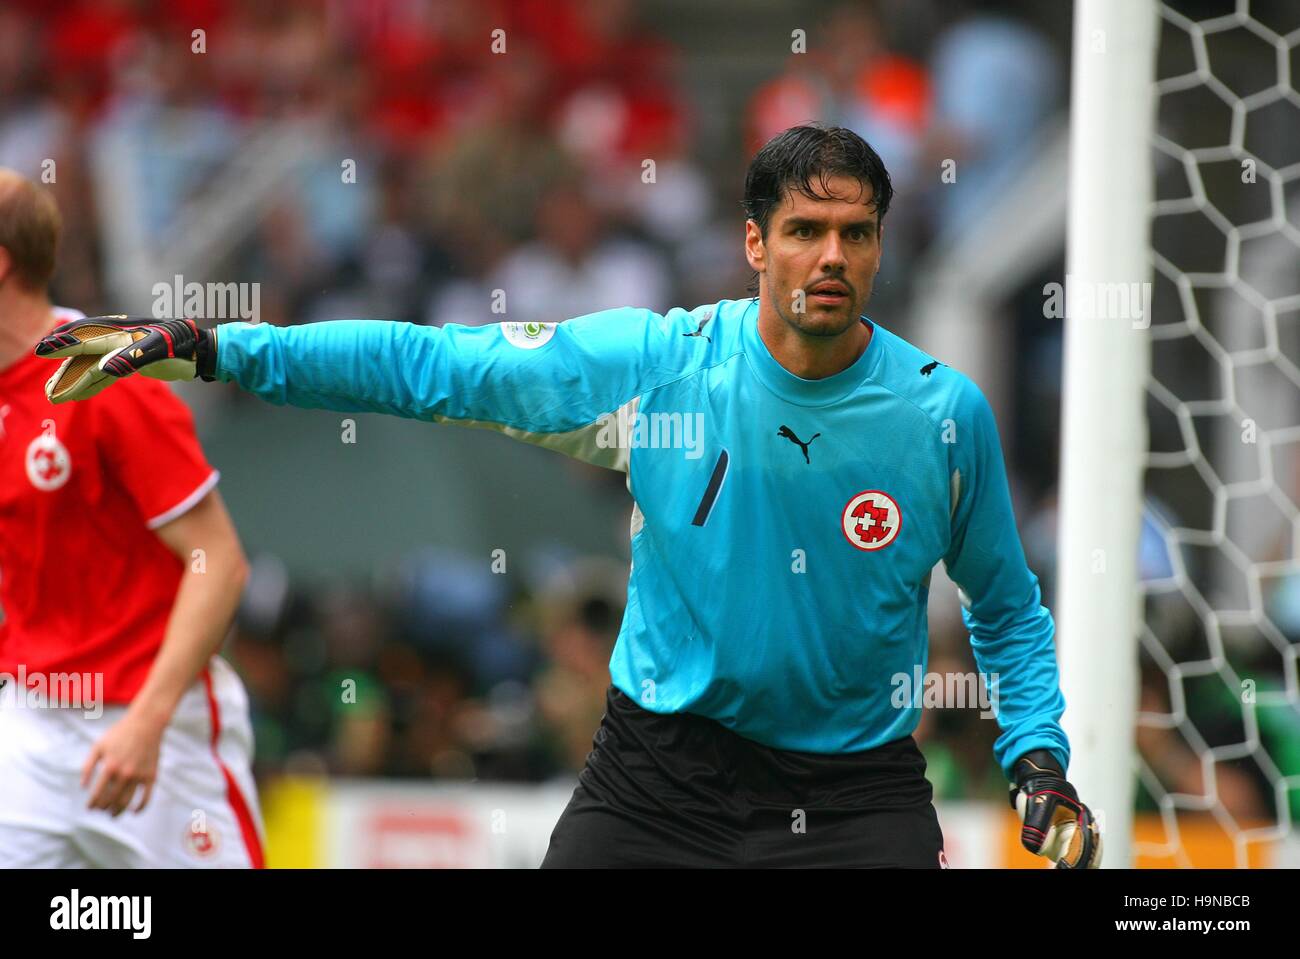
x=547 y=148
x=561 y=151
x=448 y=670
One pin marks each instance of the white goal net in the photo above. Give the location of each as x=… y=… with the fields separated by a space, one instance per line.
x=1218 y=725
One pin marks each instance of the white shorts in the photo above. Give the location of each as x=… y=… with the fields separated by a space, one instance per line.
x=203 y=811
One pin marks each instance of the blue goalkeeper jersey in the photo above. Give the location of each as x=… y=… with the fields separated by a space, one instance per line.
x=784 y=529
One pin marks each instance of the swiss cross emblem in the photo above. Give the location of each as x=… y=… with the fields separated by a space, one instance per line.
x=48 y=463
x=871 y=520
x=201 y=840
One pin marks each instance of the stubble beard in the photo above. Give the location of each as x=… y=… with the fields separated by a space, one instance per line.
x=817 y=321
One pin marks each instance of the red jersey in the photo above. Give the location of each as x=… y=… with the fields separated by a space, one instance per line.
x=85 y=583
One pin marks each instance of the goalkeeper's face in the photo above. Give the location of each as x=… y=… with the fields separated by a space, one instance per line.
x=819 y=258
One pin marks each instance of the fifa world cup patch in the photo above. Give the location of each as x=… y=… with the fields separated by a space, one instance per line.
x=871 y=520
x=528 y=336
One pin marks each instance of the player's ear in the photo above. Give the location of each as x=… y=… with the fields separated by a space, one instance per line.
x=754 y=250
x=6 y=264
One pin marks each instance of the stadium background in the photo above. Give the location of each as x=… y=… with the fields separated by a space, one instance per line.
x=477 y=691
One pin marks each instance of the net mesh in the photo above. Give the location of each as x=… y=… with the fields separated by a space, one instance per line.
x=1219 y=719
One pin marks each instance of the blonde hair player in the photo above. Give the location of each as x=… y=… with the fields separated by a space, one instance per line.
x=124 y=739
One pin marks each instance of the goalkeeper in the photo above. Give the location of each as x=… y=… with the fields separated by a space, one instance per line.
x=780 y=560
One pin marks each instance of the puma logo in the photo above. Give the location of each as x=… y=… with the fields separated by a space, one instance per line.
x=929 y=368
x=700 y=329
x=789 y=434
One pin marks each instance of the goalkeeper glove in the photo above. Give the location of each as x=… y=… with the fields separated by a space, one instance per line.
x=101 y=349
x=1054 y=823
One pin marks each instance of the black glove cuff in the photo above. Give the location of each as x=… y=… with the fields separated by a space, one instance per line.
x=1041 y=758
x=205 y=355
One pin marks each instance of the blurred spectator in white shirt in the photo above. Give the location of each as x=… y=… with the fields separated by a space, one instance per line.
x=995 y=81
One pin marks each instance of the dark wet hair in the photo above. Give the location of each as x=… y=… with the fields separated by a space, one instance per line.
x=795 y=158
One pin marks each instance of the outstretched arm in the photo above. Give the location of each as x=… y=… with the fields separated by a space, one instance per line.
x=550 y=384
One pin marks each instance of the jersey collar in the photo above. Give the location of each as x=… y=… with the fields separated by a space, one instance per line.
x=795 y=389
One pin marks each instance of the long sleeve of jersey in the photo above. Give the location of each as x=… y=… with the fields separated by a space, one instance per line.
x=549 y=384
x=1011 y=632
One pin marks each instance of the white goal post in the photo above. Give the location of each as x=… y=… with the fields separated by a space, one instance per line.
x=1103 y=430
x=1181 y=428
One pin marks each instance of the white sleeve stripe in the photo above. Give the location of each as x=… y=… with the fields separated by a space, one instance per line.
x=591 y=443
x=187 y=504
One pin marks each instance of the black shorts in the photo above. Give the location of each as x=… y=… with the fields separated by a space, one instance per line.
x=680 y=790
